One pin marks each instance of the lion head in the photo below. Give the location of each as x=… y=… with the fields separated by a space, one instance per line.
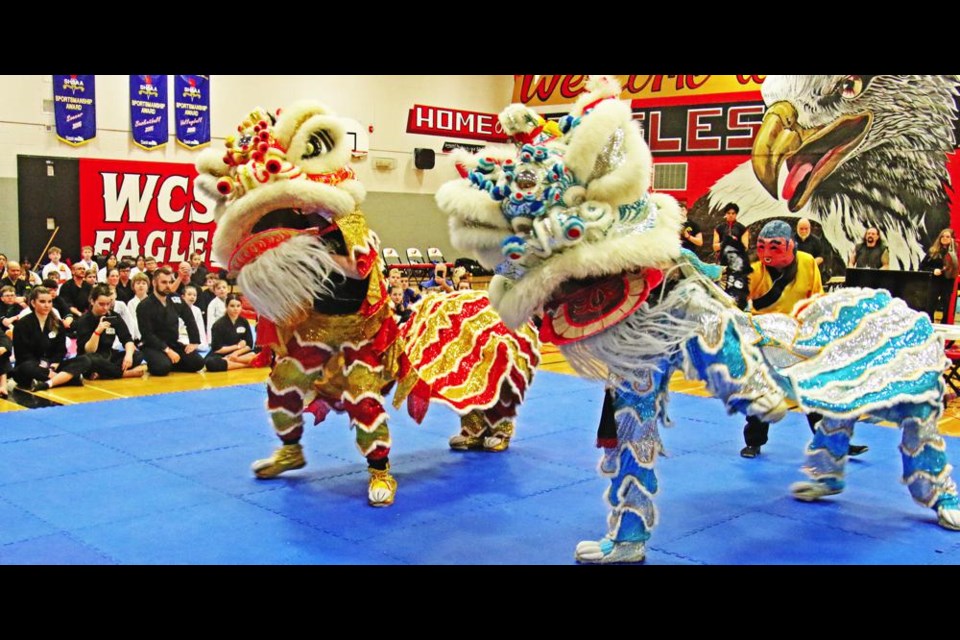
x=281 y=178
x=565 y=205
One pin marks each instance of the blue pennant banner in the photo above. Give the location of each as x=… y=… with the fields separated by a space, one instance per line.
x=191 y=97
x=75 y=109
x=148 y=111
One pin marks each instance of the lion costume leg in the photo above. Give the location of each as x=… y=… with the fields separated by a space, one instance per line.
x=926 y=471
x=363 y=401
x=628 y=460
x=290 y=388
x=826 y=459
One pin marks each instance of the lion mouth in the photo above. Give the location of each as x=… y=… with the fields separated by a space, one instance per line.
x=289 y=219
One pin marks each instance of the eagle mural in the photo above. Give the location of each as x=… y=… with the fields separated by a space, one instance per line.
x=852 y=152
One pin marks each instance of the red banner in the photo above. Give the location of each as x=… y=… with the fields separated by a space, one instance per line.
x=151 y=208
x=453 y=123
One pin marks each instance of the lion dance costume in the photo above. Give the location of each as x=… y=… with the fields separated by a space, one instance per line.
x=566 y=220
x=289 y=226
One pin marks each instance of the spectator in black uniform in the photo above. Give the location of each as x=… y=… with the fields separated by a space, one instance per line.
x=76 y=292
x=96 y=331
x=808 y=242
x=198 y=270
x=691 y=237
x=59 y=304
x=157 y=317
x=40 y=347
x=231 y=339
x=730 y=228
x=124 y=286
x=9 y=307
x=15 y=278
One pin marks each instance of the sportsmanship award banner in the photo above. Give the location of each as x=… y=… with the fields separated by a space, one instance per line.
x=75 y=109
x=148 y=111
x=191 y=96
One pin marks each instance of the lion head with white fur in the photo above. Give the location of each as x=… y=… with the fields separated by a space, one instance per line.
x=566 y=208
x=282 y=177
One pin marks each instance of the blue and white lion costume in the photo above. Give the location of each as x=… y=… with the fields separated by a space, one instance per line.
x=567 y=222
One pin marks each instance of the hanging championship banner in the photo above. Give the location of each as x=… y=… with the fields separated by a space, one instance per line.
x=75 y=109
x=191 y=97
x=148 y=111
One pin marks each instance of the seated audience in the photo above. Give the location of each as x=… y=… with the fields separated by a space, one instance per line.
x=111 y=262
x=157 y=318
x=97 y=329
x=400 y=311
x=232 y=339
x=40 y=347
x=439 y=280
x=54 y=268
x=141 y=288
x=217 y=306
x=190 y=299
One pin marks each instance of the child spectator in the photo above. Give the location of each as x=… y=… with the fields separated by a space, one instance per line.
x=190 y=299
x=217 y=306
x=141 y=288
x=86 y=259
x=400 y=311
x=110 y=263
x=55 y=269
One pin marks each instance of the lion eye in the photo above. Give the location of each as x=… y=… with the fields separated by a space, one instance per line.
x=320 y=142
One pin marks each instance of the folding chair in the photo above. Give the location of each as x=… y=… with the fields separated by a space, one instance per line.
x=434 y=255
x=414 y=256
x=390 y=256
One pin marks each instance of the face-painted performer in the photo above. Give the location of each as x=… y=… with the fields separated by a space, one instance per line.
x=567 y=222
x=780 y=278
x=290 y=227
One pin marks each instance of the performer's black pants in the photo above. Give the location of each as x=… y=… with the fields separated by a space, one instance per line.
x=755 y=431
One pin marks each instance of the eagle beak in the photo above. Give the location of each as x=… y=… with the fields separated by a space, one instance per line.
x=777 y=138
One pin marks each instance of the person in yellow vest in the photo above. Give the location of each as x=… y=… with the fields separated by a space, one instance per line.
x=780 y=278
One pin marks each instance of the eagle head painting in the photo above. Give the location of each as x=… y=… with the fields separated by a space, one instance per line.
x=852 y=152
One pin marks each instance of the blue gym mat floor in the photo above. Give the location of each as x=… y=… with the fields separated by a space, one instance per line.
x=165 y=480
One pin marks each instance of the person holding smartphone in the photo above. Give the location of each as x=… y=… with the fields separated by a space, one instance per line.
x=97 y=329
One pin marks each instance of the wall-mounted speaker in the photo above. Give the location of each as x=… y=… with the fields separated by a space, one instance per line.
x=424 y=158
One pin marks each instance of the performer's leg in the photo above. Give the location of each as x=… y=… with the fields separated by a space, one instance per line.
x=491 y=429
x=853 y=450
x=826 y=458
x=289 y=389
x=628 y=462
x=926 y=470
x=755 y=436
x=369 y=420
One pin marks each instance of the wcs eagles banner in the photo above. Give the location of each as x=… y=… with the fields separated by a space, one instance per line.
x=191 y=98
x=148 y=111
x=151 y=208
x=75 y=109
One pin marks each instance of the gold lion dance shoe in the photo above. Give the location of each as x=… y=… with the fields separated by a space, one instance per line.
x=382 y=488
x=287 y=457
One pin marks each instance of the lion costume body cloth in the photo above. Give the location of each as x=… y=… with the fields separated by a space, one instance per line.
x=289 y=225
x=567 y=221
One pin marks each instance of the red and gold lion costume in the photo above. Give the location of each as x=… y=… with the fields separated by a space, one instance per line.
x=289 y=226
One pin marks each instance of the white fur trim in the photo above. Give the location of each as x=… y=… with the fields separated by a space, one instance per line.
x=597 y=87
x=240 y=217
x=658 y=247
x=211 y=161
x=292 y=118
x=356 y=189
x=303 y=266
x=518 y=118
x=628 y=182
x=461 y=199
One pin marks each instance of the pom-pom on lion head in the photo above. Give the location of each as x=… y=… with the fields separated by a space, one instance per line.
x=569 y=202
